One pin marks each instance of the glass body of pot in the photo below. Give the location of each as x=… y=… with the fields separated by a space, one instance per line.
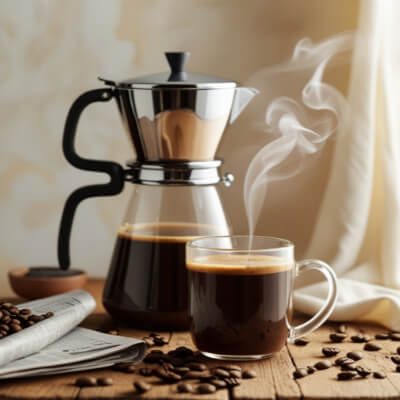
x=147 y=281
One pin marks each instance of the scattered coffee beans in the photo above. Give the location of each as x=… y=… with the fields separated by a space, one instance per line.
x=355 y=355
x=330 y=351
x=86 y=381
x=372 y=347
x=346 y=375
x=337 y=337
x=301 y=341
x=300 y=373
x=379 y=375
x=320 y=365
x=142 y=386
x=184 y=387
x=106 y=381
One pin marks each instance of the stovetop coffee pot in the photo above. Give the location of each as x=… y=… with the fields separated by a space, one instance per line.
x=175 y=121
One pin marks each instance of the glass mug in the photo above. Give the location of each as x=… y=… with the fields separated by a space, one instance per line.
x=240 y=290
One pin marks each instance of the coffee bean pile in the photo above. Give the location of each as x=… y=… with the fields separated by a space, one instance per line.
x=182 y=364
x=154 y=339
x=347 y=364
x=13 y=319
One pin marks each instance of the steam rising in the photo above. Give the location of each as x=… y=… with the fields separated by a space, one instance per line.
x=301 y=128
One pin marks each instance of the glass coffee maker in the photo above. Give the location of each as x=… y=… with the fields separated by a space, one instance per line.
x=175 y=121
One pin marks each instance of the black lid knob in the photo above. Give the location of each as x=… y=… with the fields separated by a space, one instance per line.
x=177 y=61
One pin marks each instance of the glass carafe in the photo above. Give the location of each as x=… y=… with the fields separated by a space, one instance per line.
x=147 y=281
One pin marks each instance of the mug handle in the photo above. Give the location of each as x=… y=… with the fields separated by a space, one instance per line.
x=322 y=315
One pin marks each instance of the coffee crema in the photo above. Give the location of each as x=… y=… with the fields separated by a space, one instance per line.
x=240 y=304
x=147 y=281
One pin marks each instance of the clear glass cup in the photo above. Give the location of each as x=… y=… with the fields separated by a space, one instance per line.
x=240 y=295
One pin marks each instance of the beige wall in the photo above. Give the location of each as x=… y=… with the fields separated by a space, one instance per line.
x=51 y=51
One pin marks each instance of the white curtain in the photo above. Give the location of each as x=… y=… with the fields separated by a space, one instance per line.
x=358 y=228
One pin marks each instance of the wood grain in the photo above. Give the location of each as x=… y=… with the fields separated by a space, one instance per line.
x=274 y=376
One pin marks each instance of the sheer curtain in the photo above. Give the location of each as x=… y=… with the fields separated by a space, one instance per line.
x=358 y=228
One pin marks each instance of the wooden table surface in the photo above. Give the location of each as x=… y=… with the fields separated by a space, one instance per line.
x=274 y=376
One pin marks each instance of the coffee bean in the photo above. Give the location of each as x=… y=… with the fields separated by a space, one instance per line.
x=4 y=327
x=6 y=313
x=372 y=347
x=301 y=341
x=395 y=359
x=300 y=373
x=141 y=386
x=206 y=388
x=330 y=351
x=221 y=373
x=348 y=367
x=7 y=305
x=113 y=332
x=382 y=336
x=3 y=332
x=6 y=319
x=232 y=367
x=355 y=355
x=36 y=318
x=184 y=387
x=397 y=368
x=363 y=372
x=249 y=374
x=346 y=375
x=85 y=381
x=146 y=371
x=181 y=370
x=29 y=323
x=166 y=375
x=15 y=327
x=342 y=328
x=231 y=382
x=379 y=375
x=25 y=311
x=235 y=374
x=310 y=370
x=394 y=336
x=359 y=338
x=218 y=383
x=106 y=381
x=15 y=321
x=14 y=310
x=1 y=314
x=337 y=337
x=320 y=365
x=168 y=365
x=341 y=360
x=198 y=375
x=197 y=366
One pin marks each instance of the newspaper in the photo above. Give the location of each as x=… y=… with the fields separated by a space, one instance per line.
x=56 y=345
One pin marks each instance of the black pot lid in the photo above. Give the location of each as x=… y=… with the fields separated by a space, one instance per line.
x=176 y=78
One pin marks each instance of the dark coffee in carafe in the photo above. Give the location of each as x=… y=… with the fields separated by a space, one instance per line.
x=147 y=281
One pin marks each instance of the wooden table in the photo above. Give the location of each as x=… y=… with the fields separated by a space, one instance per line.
x=274 y=380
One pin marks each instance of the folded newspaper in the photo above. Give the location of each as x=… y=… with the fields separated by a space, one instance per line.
x=56 y=345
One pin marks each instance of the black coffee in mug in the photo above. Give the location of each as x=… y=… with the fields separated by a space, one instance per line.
x=240 y=295
x=240 y=304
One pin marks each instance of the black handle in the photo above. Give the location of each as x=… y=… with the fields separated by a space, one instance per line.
x=113 y=169
x=177 y=61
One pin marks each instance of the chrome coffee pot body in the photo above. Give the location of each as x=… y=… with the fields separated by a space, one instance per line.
x=175 y=121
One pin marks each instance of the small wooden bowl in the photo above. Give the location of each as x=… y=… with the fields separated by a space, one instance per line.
x=38 y=282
